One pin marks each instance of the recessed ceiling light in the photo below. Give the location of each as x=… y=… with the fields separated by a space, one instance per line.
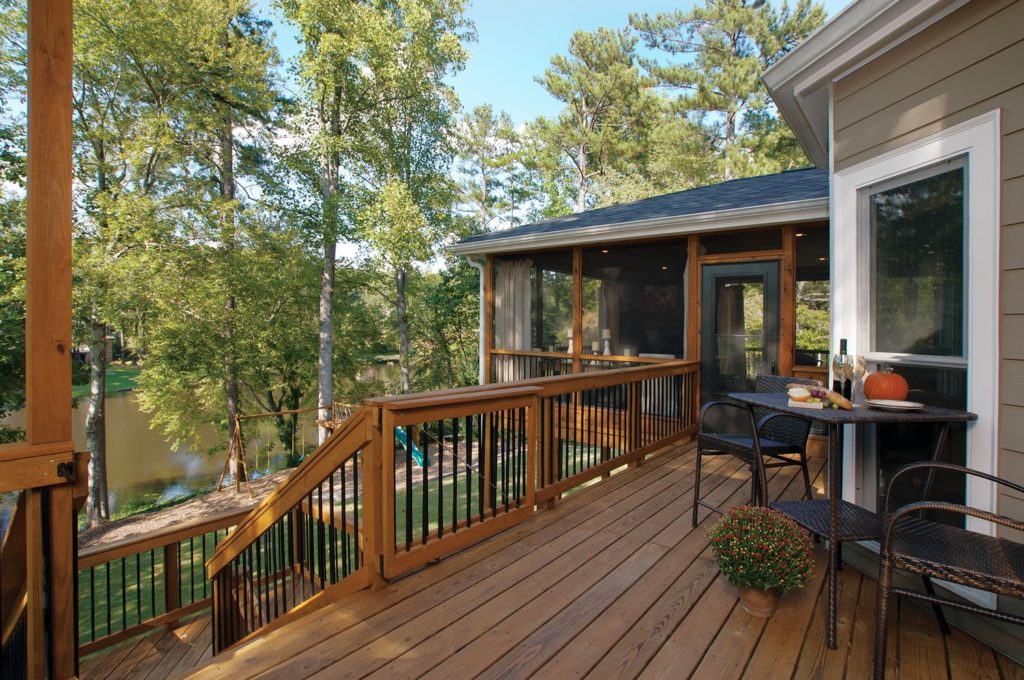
x=822 y=259
x=604 y=250
x=800 y=235
x=664 y=267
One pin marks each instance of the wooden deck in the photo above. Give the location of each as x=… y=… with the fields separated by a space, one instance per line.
x=612 y=583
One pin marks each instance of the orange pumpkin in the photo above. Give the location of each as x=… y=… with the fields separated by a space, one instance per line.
x=886 y=385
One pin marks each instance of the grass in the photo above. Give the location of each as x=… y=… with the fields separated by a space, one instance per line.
x=119 y=378
x=134 y=585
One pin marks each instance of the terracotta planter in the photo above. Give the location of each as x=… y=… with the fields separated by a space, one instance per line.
x=758 y=603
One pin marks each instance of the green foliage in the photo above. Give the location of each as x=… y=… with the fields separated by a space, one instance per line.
x=762 y=548
x=717 y=54
x=608 y=108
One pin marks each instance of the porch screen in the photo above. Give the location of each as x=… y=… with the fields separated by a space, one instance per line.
x=634 y=300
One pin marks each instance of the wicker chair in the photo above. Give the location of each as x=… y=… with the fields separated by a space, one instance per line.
x=949 y=553
x=780 y=437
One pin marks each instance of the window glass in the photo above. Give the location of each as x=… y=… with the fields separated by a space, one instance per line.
x=812 y=302
x=634 y=299
x=917 y=246
x=533 y=301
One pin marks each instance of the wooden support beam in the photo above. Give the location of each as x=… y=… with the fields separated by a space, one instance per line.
x=577 y=308
x=50 y=549
x=488 y=329
x=48 y=243
x=787 y=302
x=693 y=298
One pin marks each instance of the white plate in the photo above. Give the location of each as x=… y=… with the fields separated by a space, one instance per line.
x=894 y=405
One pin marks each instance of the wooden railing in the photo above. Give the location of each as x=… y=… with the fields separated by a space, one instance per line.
x=307 y=535
x=140 y=583
x=410 y=479
x=509 y=365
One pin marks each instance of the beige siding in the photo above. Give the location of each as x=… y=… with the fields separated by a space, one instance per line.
x=968 y=64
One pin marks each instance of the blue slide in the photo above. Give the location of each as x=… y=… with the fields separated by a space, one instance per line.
x=417 y=455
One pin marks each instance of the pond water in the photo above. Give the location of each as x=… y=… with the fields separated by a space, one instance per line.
x=142 y=464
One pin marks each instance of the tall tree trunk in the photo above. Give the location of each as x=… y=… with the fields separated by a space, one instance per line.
x=730 y=140
x=97 y=507
x=581 y=193
x=403 y=330
x=227 y=194
x=325 y=393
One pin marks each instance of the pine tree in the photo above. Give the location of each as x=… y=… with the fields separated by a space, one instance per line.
x=608 y=108
x=721 y=50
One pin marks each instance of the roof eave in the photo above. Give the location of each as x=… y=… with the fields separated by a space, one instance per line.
x=807 y=210
x=800 y=82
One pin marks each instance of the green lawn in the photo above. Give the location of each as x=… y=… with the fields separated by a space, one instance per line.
x=118 y=378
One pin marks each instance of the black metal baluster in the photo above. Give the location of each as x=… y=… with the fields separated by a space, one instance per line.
x=455 y=475
x=332 y=529
x=321 y=535
x=357 y=555
x=344 y=524
x=282 y=534
x=124 y=595
x=425 y=495
x=92 y=603
x=408 y=487
x=469 y=471
x=440 y=478
x=506 y=442
x=138 y=588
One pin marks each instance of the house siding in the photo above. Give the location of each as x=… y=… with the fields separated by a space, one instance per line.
x=967 y=64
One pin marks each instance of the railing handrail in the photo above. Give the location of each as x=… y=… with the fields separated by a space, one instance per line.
x=549 y=385
x=350 y=439
x=585 y=356
x=130 y=545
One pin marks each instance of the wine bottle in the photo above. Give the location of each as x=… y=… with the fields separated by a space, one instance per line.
x=838 y=362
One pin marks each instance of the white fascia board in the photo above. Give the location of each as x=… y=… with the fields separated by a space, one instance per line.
x=799 y=82
x=808 y=210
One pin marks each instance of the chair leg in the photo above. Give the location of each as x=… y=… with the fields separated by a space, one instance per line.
x=807 y=476
x=939 y=614
x=696 y=488
x=882 y=617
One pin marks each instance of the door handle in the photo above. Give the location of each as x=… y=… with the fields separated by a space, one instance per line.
x=775 y=370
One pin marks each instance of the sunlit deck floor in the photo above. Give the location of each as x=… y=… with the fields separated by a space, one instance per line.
x=611 y=583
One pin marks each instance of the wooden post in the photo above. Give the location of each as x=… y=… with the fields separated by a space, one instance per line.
x=692 y=299
x=373 y=515
x=577 y=308
x=172 y=568
x=35 y=567
x=48 y=330
x=488 y=328
x=787 y=302
x=387 y=491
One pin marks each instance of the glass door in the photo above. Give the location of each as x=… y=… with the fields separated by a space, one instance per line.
x=739 y=326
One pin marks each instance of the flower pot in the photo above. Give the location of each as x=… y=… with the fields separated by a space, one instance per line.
x=758 y=603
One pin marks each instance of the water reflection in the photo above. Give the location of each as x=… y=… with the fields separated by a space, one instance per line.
x=142 y=464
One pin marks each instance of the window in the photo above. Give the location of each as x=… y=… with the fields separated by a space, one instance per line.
x=916 y=226
x=909 y=291
x=634 y=299
x=918 y=252
x=812 y=297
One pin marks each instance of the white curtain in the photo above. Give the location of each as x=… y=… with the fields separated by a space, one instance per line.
x=512 y=315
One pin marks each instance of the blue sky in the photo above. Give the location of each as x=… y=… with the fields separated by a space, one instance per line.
x=515 y=41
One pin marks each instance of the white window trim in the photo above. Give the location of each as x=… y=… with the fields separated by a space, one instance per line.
x=979 y=140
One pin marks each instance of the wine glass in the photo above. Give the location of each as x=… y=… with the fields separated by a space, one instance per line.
x=857 y=368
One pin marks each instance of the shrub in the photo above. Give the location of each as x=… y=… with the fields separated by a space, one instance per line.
x=762 y=548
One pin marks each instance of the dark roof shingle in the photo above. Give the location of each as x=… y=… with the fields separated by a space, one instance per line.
x=749 y=192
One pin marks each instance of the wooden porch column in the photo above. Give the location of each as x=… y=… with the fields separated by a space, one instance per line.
x=692 y=299
x=577 y=308
x=488 y=328
x=787 y=302
x=48 y=310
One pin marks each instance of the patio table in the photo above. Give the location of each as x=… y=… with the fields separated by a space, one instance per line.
x=834 y=519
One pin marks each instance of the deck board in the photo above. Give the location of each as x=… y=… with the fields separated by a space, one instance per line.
x=613 y=582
